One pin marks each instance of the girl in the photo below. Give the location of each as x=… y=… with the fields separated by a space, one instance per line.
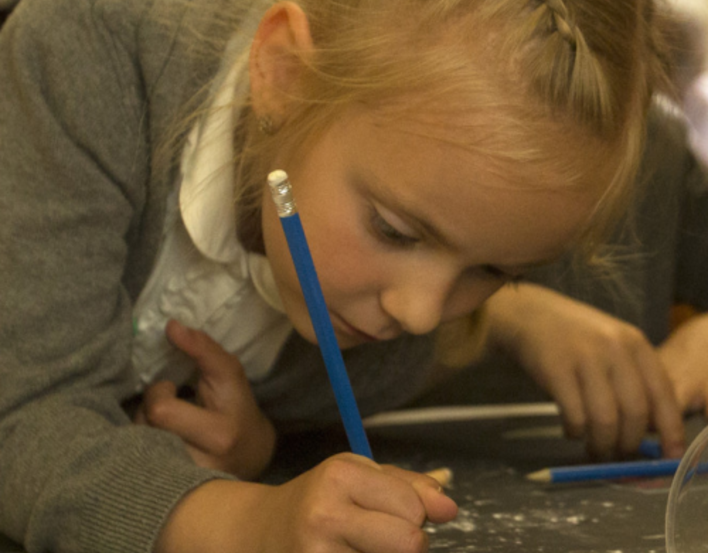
x=437 y=149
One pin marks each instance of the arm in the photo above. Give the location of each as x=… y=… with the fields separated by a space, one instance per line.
x=606 y=377
x=74 y=178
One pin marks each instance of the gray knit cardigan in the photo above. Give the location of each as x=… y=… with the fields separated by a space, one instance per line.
x=88 y=89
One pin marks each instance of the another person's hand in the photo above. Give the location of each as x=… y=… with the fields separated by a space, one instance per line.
x=225 y=430
x=346 y=504
x=685 y=356
x=607 y=378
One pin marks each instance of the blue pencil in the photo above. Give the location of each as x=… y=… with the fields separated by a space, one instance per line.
x=299 y=250
x=650 y=449
x=607 y=471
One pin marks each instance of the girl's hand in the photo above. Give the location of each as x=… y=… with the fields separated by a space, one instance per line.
x=607 y=379
x=346 y=504
x=685 y=356
x=226 y=430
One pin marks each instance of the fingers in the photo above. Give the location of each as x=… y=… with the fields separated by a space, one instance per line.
x=186 y=339
x=213 y=440
x=601 y=411
x=386 y=506
x=621 y=401
x=690 y=399
x=158 y=401
x=665 y=410
x=377 y=490
x=223 y=386
x=190 y=422
x=402 y=493
x=161 y=408
x=384 y=534
x=213 y=361
x=226 y=430
x=438 y=506
x=613 y=389
x=628 y=380
x=565 y=389
x=610 y=403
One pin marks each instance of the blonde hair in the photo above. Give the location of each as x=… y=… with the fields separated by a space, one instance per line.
x=528 y=65
x=594 y=64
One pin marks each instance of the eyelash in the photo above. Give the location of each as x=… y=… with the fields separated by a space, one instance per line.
x=388 y=233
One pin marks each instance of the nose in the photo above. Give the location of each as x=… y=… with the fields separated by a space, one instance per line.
x=426 y=299
x=416 y=309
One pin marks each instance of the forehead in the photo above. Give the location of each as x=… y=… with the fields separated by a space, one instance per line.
x=481 y=208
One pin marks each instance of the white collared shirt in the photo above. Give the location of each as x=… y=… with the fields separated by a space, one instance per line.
x=203 y=277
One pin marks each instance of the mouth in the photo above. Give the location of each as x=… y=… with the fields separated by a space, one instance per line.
x=350 y=330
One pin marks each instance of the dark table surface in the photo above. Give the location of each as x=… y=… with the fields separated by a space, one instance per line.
x=500 y=510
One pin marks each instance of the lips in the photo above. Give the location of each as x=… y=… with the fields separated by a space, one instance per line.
x=355 y=332
x=350 y=330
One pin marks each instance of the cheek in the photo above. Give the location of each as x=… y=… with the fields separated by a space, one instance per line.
x=344 y=260
x=346 y=265
x=469 y=296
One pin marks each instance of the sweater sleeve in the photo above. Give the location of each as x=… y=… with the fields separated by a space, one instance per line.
x=76 y=475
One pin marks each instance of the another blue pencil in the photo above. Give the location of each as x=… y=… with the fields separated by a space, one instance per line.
x=607 y=471
x=290 y=219
x=650 y=448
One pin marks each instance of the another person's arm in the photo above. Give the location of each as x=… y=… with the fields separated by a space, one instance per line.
x=685 y=355
x=607 y=378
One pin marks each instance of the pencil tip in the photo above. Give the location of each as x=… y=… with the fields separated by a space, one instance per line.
x=443 y=475
x=540 y=476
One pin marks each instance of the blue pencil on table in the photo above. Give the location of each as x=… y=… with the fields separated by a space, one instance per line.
x=607 y=471
x=281 y=191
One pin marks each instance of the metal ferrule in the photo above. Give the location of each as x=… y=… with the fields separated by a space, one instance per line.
x=282 y=192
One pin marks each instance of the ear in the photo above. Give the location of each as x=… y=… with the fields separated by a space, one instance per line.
x=282 y=38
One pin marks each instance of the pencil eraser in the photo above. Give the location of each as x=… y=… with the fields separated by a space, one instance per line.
x=277 y=177
x=282 y=193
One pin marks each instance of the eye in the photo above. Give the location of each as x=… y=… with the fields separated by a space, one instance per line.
x=389 y=234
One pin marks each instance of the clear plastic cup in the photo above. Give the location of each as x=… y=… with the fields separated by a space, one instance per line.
x=687 y=508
